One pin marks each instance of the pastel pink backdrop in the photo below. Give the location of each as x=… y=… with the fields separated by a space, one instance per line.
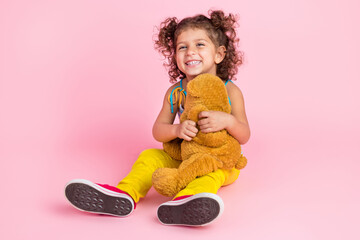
x=81 y=85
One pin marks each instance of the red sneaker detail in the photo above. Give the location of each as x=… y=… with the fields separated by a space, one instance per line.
x=115 y=189
x=182 y=197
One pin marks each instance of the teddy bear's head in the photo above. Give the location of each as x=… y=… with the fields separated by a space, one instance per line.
x=210 y=90
x=206 y=92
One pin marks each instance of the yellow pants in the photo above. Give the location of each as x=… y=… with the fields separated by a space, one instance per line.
x=138 y=182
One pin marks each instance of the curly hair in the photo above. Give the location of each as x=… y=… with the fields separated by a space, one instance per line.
x=221 y=31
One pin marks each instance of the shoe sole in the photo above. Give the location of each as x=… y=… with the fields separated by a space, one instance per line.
x=197 y=210
x=89 y=197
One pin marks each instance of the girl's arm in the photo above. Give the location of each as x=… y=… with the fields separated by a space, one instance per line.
x=235 y=123
x=164 y=130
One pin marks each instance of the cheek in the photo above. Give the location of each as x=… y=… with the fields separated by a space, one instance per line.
x=179 y=59
x=206 y=54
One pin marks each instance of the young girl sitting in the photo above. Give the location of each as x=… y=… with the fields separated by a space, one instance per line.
x=193 y=46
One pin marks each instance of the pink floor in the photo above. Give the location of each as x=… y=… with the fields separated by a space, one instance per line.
x=78 y=99
x=286 y=192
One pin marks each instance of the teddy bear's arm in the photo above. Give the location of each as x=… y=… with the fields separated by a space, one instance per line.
x=193 y=113
x=214 y=139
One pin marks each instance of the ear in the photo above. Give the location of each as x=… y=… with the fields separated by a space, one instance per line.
x=220 y=54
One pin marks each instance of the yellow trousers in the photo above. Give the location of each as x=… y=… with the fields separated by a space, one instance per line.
x=138 y=182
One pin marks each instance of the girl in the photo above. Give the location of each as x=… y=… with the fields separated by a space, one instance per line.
x=191 y=47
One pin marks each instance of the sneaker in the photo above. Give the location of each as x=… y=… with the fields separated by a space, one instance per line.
x=194 y=210
x=98 y=198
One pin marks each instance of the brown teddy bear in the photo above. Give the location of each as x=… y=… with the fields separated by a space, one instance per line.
x=206 y=152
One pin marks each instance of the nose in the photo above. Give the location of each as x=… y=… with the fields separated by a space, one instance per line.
x=191 y=50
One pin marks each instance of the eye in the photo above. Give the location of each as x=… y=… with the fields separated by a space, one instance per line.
x=200 y=44
x=181 y=47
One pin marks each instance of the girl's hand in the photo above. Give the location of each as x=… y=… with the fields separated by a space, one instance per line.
x=213 y=121
x=187 y=130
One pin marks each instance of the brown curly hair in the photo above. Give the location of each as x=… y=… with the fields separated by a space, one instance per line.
x=220 y=29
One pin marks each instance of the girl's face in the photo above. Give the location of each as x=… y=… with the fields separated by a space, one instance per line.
x=197 y=54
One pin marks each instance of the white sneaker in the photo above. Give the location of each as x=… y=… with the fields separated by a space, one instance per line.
x=98 y=198
x=196 y=210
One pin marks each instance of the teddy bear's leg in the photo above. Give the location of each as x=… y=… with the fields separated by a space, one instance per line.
x=169 y=181
x=165 y=181
x=241 y=163
x=197 y=165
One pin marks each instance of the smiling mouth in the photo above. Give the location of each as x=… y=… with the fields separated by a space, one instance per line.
x=192 y=63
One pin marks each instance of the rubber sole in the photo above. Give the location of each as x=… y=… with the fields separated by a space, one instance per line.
x=198 y=210
x=89 y=197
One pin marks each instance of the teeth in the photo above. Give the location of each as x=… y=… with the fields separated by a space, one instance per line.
x=192 y=62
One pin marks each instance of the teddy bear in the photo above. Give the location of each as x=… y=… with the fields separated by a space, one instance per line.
x=206 y=152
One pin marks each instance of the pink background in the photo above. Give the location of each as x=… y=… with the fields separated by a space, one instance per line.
x=81 y=85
